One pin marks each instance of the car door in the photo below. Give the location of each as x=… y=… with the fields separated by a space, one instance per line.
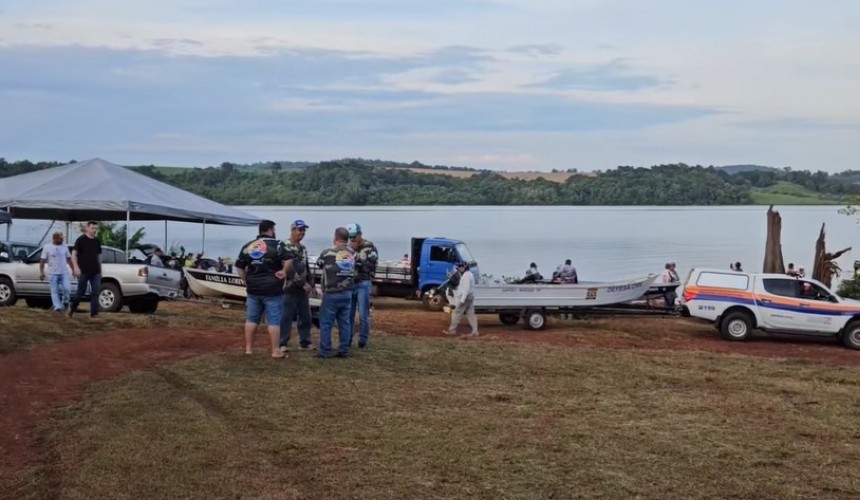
x=778 y=304
x=817 y=313
x=27 y=280
x=440 y=260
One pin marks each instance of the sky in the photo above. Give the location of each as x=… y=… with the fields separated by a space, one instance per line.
x=500 y=84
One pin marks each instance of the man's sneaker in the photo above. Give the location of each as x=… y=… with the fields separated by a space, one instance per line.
x=342 y=355
x=309 y=347
x=362 y=345
x=285 y=348
x=449 y=332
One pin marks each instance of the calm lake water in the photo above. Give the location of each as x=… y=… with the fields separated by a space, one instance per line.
x=603 y=242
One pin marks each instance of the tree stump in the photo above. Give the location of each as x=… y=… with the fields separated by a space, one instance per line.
x=824 y=267
x=773 y=262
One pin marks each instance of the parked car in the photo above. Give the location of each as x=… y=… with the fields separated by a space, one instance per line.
x=13 y=251
x=138 y=286
x=738 y=303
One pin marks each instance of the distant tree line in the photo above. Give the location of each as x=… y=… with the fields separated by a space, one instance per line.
x=376 y=182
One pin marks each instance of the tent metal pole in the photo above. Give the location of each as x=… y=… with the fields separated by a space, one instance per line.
x=68 y=226
x=203 y=245
x=165 y=236
x=127 y=230
x=9 y=225
x=47 y=232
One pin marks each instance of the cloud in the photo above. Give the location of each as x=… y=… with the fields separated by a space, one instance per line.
x=538 y=49
x=613 y=76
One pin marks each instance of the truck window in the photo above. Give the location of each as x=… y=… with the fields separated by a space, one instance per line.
x=443 y=254
x=465 y=254
x=812 y=291
x=723 y=280
x=781 y=287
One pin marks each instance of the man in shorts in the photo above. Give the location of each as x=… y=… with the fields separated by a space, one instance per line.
x=262 y=264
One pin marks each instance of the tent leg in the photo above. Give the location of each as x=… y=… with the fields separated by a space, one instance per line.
x=127 y=230
x=203 y=245
x=9 y=225
x=68 y=226
x=165 y=236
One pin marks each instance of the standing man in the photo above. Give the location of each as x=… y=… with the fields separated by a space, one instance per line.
x=57 y=257
x=338 y=269
x=366 y=258
x=262 y=263
x=87 y=268
x=299 y=285
x=670 y=276
x=464 y=298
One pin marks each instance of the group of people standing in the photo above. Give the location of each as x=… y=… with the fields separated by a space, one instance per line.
x=279 y=284
x=86 y=265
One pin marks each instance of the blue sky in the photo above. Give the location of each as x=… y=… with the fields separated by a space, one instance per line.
x=501 y=84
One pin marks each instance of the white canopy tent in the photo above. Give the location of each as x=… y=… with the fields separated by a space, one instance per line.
x=5 y=217
x=99 y=190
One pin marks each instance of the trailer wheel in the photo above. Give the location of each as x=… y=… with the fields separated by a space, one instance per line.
x=535 y=320
x=509 y=318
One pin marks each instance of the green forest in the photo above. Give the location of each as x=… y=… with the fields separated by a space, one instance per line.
x=374 y=182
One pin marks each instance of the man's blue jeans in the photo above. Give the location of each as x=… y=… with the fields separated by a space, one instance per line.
x=335 y=307
x=296 y=303
x=361 y=302
x=61 y=290
x=95 y=282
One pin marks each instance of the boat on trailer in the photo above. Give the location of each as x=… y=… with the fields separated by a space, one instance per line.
x=534 y=301
x=229 y=287
x=215 y=285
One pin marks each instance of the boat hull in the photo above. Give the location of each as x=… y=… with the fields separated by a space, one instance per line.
x=216 y=285
x=560 y=296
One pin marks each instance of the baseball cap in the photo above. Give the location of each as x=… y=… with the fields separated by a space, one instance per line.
x=353 y=229
x=299 y=224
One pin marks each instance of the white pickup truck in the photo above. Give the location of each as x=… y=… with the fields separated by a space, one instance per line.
x=139 y=286
x=738 y=302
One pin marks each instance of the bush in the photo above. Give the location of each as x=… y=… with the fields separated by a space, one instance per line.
x=849 y=289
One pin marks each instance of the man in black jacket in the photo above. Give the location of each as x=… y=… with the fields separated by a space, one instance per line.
x=262 y=263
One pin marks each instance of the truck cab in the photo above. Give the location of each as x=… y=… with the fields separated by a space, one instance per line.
x=433 y=260
x=738 y=302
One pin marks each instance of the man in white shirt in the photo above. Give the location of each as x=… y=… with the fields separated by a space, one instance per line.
x=57 y=258
x=464 y=299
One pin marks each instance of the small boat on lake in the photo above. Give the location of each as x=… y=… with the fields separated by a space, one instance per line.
x=560 y=295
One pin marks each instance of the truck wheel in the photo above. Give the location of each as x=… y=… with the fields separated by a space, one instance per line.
x=851 y=335
x=38 y=302
x=535 y=320
x=435 y=303
x=509 y=318
x=736 y=326
x=110 y=298
x=7 y=293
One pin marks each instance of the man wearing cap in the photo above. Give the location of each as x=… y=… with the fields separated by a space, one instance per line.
x=338 y=267
x=297 y=288
x=464 y=299
x=366 y=258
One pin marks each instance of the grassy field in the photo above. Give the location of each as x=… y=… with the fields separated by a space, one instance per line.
x=787 y=193
x=427 y=418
